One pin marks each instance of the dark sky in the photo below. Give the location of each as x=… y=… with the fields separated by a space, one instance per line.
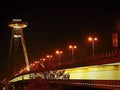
x=53 y=25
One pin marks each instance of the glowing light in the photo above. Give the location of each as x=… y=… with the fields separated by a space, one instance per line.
x=17 y=24
x=90 y=39
x=95 y=39
x=16 y=20
x=70 y=46
x=28 y=69
x=17 y=36
x=48 y=56
x=59 y=52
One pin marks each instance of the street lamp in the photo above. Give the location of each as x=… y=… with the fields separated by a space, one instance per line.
x=59 y=53
x=49 y=57
x=43 y=59
x=93 y=39
x=72 y=48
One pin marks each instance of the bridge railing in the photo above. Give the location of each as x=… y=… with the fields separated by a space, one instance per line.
x=109 y=54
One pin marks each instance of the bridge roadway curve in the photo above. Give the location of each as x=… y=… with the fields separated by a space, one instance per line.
x=109 y=66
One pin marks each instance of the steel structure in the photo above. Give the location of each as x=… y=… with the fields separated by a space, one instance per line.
x=17 y=33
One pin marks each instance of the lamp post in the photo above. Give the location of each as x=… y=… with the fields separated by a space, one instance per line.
x=93 y=39
x=49 y=57
x=43 y=59
x=59 y=53
x=72 y=48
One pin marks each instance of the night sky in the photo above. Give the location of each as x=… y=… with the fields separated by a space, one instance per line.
x=55 y=25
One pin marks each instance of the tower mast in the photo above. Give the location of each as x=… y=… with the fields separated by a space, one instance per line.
x=17 y=32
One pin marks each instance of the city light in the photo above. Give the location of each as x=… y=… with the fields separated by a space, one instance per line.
x=93 y=39
x=59 y=53
x=49 y=57
x=72 y=48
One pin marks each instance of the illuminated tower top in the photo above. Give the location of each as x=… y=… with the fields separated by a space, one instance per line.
x=17 y=24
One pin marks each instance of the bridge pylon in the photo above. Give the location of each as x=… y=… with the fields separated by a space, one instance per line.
x=17 y=37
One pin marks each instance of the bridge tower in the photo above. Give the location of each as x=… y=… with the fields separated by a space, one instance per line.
x=17 y=37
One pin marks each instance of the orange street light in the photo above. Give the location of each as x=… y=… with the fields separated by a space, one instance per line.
x=42 y=60
x=49 y=57
x=72 y=48
x=59 y=53
x=93 y=39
